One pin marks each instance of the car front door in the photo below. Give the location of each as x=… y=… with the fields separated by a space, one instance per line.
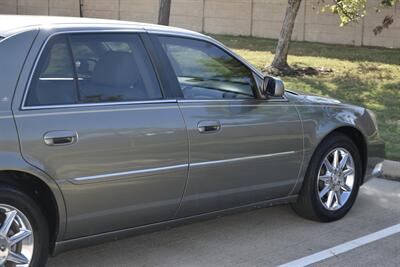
x=95 y=119
x=242 y=149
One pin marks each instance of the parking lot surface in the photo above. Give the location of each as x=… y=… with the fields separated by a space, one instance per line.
x=263 y=237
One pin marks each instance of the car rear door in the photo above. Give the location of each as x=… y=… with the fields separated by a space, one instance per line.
x=242 y=149
x=95 y=118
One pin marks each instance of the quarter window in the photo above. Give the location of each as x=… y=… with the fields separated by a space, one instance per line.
x=205 y=71
x=93 y=68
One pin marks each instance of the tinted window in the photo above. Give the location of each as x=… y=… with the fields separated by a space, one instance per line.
x=53 y=82
x=93 y=68
x=113 y=67
x=205 y=71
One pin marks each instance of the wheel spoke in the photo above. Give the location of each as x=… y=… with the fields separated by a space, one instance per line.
x=338 y=199
x=18 y=237
x=17 y=258
x=343 y=162
x=5 y=227
x=325 y=178
x=328 y=165
x=336 y=158
x=345 y=188
x=324 y=191
x=347 y=172
x=329 y=201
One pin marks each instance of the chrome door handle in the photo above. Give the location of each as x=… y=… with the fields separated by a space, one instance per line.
x=60 y=138
x=208 y=126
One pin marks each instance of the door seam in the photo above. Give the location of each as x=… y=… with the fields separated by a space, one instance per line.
x=303 y=152
x=188 y=160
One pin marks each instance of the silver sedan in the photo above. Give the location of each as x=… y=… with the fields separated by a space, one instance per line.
x=111 y=128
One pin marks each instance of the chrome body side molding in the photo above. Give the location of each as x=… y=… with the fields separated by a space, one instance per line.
x=151 y=171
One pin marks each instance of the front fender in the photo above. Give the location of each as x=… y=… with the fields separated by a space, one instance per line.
x=320 y=120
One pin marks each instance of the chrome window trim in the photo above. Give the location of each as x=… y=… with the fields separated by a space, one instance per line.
x=39 y=55
x=283 y=99
x=163 y=101
x=214 y=100
x=113 y=108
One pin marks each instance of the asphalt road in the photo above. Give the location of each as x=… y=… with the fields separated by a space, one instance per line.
x=264 y=237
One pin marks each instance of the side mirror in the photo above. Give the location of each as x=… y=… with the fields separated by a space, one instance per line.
x=272 y=87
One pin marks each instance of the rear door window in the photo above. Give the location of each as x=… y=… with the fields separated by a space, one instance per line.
x=113 y=67
x=93 y=68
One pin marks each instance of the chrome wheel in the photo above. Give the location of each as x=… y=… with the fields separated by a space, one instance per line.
x=336 y=179
x=16 y=237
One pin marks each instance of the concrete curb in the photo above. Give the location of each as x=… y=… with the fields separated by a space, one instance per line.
x=391 y=169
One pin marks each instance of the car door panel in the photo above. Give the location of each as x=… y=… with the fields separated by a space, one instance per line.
x=255 y=156
x=119 y=163
x=129 y=162
x=243 y=149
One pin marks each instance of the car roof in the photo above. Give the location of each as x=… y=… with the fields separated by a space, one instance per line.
x=11 y=24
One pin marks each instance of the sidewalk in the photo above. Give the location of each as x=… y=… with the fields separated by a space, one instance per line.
x=391 y=170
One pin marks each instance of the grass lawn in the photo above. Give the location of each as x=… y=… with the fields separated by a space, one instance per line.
x=369 y=77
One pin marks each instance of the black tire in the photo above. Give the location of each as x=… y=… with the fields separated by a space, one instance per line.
x=26 y=204
x=308 y=204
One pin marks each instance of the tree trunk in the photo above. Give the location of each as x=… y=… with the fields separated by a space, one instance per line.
x=282 y=49
x=81 y=8
x=164 y=12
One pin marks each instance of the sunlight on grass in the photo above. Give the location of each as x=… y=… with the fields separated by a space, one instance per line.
x=369 y=77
